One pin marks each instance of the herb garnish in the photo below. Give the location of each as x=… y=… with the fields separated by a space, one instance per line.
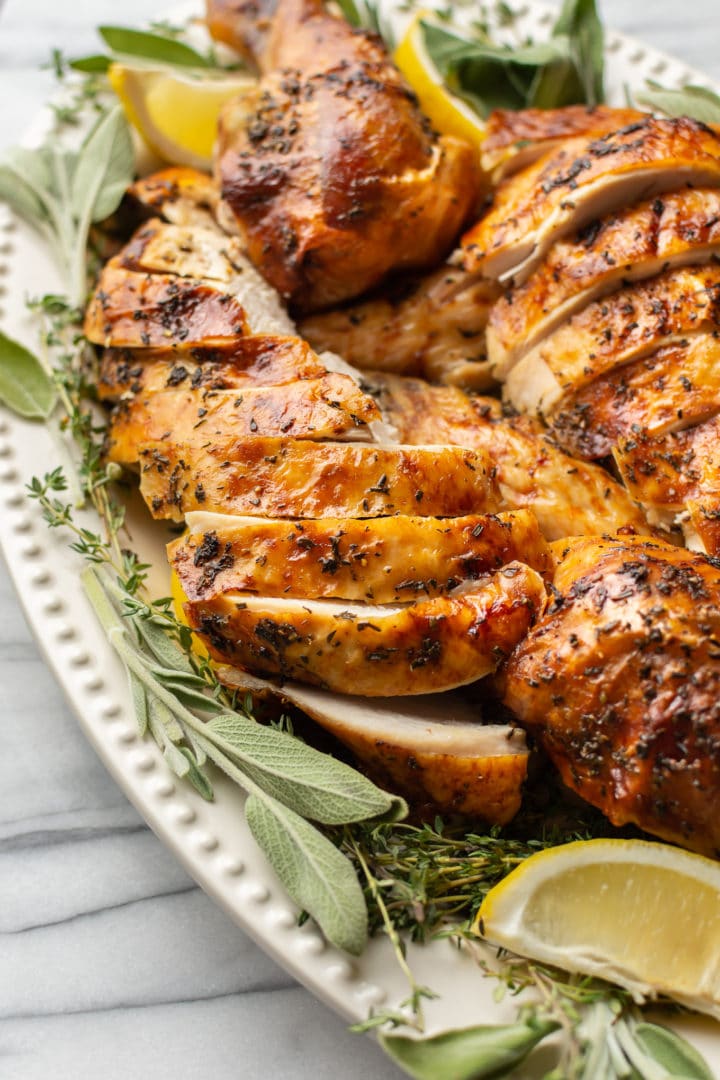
x=565 y=70
x=694 y=101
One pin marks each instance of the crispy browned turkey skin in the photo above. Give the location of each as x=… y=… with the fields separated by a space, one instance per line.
x=621 y=683
x=585 y=179
x=331 y=172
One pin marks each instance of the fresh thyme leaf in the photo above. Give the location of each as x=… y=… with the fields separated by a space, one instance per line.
x=467 y=1053
x=147 y=46
x=25 y=386
x=693 y=101
x=316 y=875
x=313 y=784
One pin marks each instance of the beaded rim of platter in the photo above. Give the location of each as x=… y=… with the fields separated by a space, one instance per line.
x=211 y=839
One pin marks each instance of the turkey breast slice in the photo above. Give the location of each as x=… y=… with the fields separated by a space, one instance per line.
x=638 y=242
x=383 y=560
x=294 y=478
x=436 y=751
x=585 y=179
x=633 y=322
x=374 y=650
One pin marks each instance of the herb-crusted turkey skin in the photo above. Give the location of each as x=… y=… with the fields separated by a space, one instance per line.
x=246 y=362
x=326 y=408
x=333 y=175
x=297 y=479
x=133 y=310
x=633 y=322
x=374 y=650
x=568 y=498
x=621 y=683
x=583 y=180
x=676 y=387
x=634 y=243
x=515 y=139
x=378 y=560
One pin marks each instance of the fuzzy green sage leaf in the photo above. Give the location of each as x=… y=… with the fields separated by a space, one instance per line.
x=674 y=1054
x=317 y=876
x=25 y=385
x=312 y=783
x=467 y=1053
x=146 y=46
x=693 y=101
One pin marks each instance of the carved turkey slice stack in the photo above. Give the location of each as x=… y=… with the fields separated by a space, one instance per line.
x=224 y=410
x=610 y=329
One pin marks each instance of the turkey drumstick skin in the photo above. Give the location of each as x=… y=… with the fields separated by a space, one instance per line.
x=333 y=176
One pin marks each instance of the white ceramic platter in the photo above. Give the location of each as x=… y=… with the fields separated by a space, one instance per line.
x=211 y=839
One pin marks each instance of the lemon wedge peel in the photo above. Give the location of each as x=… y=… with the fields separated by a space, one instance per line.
x=449 y=114
x=643 y=915
x=176 y=115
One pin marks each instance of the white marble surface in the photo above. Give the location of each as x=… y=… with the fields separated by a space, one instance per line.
x=113 y=963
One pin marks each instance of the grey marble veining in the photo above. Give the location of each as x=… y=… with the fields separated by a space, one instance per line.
x=113 y=963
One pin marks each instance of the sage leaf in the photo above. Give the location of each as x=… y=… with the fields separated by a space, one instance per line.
x=467 y=1053
x=312 y=783
x=147 y=46
x=196 y=776
x=25 y=386
x=693 y=101
x=580 y=23
x=163 y=648
x=97 y=64
x=21 y=196
x=159 y=713
x=104 y=167
x=491 y=76
x=673 y=1053
x=315 y=874
x=33 y=166
x=140 y=704
x=176 y=760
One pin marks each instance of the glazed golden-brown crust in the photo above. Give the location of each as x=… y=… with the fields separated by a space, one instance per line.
x=330 y=170
x=583 y=180
x=633 y=322
x=515 y=139
x=420 y=648
x=378 y=560
x=621 y=683
x=301 y=479
x=677 y=473
x=326 y=408
x=636 y=242
x=432 y=326
x=259 y=360
x=131 y=310
x=669 y=391
x=569 y=498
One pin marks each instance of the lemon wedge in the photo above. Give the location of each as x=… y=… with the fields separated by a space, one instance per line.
x=645 y=916
x=448 y=114
x=177 y=115
x=179 y=597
